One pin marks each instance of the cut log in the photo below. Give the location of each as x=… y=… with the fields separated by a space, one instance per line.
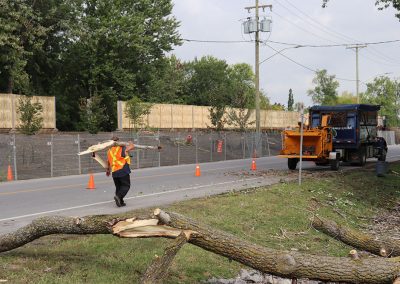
x=283 y=263
x=357 y=239
x=286 y=264
x=158 y=270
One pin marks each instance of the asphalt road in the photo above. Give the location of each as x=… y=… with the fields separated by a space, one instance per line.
x=23 y=201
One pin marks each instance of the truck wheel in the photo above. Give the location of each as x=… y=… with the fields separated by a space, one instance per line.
x=362 y=157
x=334 y=164
x=292 y=163
x=382 y=156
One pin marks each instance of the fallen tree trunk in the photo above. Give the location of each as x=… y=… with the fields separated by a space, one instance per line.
x=280 y=263
x=44 y=226
x=172 y=225
x=357 y=239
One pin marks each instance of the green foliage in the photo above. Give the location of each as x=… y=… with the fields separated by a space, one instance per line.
x=325 y=90
x=167 y=83
x=347 y=98
x=240 y=118
x=21 y=34
x=30 y=115
x=264 y=101
x=385 y=92
x=208 y=83
x=290 y=101
x=382 y=4
x=135 y=110
x=84 y=48
x=93 y=114
x=242 y=90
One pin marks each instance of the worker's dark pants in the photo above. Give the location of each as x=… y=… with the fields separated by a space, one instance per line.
x=122 y=186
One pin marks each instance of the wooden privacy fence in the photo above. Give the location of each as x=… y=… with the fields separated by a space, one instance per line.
x=173 y=116
x=9 y=115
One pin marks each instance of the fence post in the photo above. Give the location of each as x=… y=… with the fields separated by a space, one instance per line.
x=51 y=156
x=179 y=148
x=159 y=152
x=15 y=158
x=211 y=147
x=197 y=160
x=269 y=151
x=79 y=157
x=225 y=146
x=243 y=146
x=137 y=152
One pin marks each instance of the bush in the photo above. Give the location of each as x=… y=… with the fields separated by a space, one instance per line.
x=30 y=115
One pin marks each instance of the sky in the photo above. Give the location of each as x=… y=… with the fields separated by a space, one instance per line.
x=295 y=22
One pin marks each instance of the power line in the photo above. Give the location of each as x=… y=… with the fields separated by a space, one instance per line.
x=336 y=45
x=293 y=44
x=218 y=41
x=304 y=66
x=373 y=51
x=312 y=22
x=300 y=28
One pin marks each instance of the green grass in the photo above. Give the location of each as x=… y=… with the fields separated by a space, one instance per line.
x=276 y=216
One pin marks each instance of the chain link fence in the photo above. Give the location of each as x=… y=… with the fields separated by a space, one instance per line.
x=50 y=155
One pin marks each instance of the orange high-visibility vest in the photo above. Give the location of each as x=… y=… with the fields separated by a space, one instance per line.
x=116 y=160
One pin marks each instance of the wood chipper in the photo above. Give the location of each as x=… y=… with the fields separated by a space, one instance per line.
x=345 y=133
x=317 y=145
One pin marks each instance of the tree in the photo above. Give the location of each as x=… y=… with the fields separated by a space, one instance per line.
x=21 y=34
x=208 y=85
x=93 y=114
x=241 y=80
x=30 y=115
x=117 y=48
x=347 y=98
x=84 y=48
x=385 y=92
x=168 y=82
x=325 y=90
x=264 y=101
x=290 y=101
x=277 y=106
x=135 y=110
x=382 y=4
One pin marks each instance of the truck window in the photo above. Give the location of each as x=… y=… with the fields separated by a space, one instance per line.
x=351 y=121
x=339 y=119
x=369 y=118
x=315 y=121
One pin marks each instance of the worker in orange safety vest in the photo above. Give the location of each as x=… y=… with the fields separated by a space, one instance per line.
x=119 y=166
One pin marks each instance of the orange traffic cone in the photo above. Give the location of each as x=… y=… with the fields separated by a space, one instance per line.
x=197 y=173
x=253 y=165
x=91 y=185
x=10 y=176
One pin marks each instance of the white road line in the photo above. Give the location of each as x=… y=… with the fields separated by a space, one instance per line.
x=134 y=197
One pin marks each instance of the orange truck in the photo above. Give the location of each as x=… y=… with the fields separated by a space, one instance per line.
x=339 y=133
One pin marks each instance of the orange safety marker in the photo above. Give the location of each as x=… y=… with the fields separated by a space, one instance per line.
x=253 y=165
x=197 y=173
x=91 y=185
x=10 y=176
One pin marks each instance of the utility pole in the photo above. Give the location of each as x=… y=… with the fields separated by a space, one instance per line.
x=356 y=47
x=257 y=70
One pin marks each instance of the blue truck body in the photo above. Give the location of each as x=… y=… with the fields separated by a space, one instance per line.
x=354 y=128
